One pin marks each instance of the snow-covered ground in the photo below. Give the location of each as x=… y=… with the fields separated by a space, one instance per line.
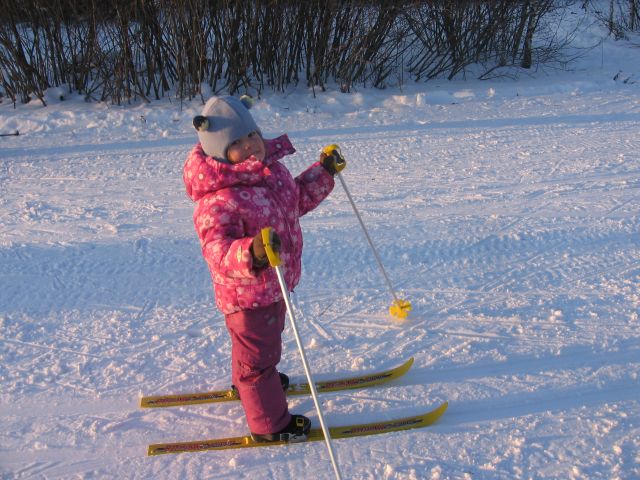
x=507 y=212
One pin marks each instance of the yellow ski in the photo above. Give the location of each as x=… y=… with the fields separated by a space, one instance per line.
x=349 y=431
x=361 y=381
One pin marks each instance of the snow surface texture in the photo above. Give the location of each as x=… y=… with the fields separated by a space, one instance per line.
x=506 y=211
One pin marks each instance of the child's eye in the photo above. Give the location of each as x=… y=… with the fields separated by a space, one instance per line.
x=252 y=134
x=235 y=142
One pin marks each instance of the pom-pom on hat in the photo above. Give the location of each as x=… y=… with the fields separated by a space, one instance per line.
x=224 y=120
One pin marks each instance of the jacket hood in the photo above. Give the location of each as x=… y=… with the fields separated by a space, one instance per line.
x=203 y=174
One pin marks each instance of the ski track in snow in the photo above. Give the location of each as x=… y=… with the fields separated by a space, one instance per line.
x=511 y=222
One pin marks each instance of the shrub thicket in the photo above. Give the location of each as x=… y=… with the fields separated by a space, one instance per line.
x=132 y=49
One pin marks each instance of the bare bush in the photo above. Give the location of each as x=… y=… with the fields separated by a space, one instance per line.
x=129 y=50
x=619 y=16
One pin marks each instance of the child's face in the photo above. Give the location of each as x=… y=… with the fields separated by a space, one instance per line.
x=245 y=147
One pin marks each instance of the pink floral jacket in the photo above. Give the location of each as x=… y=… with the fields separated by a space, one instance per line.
x=234 y=202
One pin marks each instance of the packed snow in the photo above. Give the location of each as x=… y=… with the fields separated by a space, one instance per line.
x=506 y=211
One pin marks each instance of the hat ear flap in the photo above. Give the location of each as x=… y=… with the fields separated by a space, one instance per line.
x=247 y=101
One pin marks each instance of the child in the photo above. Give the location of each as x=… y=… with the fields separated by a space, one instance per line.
x=240 y=186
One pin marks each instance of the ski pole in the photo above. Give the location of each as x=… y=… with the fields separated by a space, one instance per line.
x=275 y=262
x=399 y=308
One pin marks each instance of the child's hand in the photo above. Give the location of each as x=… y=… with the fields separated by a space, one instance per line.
x=333 y=163
x=259 y=253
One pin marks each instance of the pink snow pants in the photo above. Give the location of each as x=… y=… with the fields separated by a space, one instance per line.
x=256 y=347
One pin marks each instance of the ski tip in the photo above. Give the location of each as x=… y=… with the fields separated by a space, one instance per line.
x=404 y=368
x=443 y=407
x=434 y=415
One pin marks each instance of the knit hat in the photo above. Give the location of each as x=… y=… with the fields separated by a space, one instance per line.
x=224 y=120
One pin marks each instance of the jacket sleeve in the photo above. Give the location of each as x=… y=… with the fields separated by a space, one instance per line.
x=225 y=246
x=314 y=185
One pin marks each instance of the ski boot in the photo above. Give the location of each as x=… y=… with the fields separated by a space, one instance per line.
x=296 y=431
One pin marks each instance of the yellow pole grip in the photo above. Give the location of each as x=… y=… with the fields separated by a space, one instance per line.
x=272 y=255
x=334 y=150
x=330 y=149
